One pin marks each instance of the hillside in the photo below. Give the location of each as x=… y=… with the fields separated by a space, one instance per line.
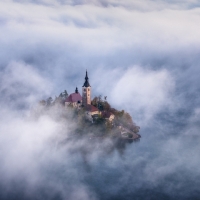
x=99 y=119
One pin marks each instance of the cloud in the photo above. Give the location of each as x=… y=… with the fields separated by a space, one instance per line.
x=143 y=55
x=98 y=30
x=22 y=85
x=37 y=163
x=144 y=92
x=32 y=157
x=28 y=148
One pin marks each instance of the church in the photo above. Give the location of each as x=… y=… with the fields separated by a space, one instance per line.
x=84 y=101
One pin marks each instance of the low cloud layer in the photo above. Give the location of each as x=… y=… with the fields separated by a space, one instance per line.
x=142 y=55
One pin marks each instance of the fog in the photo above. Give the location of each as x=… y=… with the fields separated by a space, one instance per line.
x=143 y=55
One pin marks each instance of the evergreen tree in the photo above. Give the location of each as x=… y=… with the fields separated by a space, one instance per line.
x=49 y=100
x=65 y=94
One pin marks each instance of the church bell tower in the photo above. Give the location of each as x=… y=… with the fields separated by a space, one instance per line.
x=86 y=91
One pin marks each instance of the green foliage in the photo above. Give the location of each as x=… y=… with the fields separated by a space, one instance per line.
x=94 y=102
x=101 y=105
x=100 y=126
x=106 y=106
x=121 y=117
x=109 y=126
x=99 y=120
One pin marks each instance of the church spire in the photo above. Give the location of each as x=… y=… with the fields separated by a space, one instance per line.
x=86 y=91
x=86 y=76
x=86 y=84
x=76 y=91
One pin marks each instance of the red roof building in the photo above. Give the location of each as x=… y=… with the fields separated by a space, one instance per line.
x=91 y=108
x=74 y=98
x=91 y=111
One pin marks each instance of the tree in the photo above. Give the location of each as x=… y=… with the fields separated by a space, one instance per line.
x=109 y=126
x=42 y=102
x=94 y=102
x=99 y=98
x=106 y=106
x=65 y=94
x=100 y=106
x=99 y=120
x=49 y=100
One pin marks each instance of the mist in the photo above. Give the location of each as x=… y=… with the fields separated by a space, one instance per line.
x=143 y=55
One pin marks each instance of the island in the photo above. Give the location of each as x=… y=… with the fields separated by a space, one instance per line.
x=93 y=118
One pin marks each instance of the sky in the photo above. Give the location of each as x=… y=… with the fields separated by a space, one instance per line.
x=143 y=55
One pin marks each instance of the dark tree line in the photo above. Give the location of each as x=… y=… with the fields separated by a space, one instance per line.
x=60 y=99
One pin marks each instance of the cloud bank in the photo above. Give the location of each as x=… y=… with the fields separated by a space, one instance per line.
x=143 y=55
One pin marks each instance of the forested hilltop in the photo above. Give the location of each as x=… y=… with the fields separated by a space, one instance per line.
x=99 y=119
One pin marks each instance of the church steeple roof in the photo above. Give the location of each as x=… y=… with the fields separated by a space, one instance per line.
x=86 y=84
x=76 y=91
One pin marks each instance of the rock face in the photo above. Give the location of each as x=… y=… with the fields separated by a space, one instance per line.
x=128 y=134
